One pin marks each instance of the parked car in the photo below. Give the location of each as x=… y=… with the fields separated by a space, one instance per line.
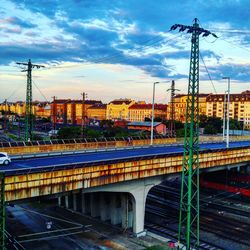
x=4 y=158
x=53 y=132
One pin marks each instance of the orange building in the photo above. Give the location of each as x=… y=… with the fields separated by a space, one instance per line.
x=43 y=110
x=180 y=106
x=69 y=111
x=97 y=111
x=138 y=112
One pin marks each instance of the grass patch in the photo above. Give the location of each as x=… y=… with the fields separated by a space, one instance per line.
x=14 y=137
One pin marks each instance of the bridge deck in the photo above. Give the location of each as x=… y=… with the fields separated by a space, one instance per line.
x=30 y=165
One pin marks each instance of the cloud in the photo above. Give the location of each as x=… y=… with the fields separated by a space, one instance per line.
x=238 y=72
x=120 y=32
x=22 y=23
x=11 y=30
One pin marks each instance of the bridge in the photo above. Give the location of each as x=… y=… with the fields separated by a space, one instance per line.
x=112 y=183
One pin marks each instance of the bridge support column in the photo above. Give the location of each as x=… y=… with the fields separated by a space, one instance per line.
x=59 y=201
x=74 y=196
x=104 y=207
x=83 y=205
x=115 y=210
x=126 y=214
x=66 y=201
x=133 y=196
x=138 y=203
x=248 y=170
x=94 y=205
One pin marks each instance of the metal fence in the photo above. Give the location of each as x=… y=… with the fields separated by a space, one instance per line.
x=77 y=140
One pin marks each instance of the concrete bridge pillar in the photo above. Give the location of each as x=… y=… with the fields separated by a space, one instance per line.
x=66 y=201
x=74 y=196
x=129 y=209
x=94 y=205
x=104 y=207
x=138 y=203
x=83 y=205
x=115 y=209
x=59 y=201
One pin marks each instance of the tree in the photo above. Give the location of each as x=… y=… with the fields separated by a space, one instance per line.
x=91 y=133
x=157 y=119
x=211 y=124
x=69 y=133
x=210 y=129
x=147 y=119
x=106 y=124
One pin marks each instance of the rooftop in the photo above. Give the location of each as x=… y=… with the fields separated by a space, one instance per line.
x=144 y=124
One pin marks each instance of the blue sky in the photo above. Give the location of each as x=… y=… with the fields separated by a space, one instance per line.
x=118 y=48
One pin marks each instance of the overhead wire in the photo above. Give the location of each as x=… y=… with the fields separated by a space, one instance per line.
x=40 y=91
x=237 y=46
x=14 y=92
x=209 y=76
x=112 y=56
x=118 y=55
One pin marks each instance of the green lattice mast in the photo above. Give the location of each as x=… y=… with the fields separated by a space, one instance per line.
x=28 y=105
x=2 y=212
x=188 y=234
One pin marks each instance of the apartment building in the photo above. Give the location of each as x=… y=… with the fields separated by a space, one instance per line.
x=239 y=107
x=180 y=106
x=119 y=109
x=97 y=111
x=19 y=107
x=69 y=111
x=138 y=112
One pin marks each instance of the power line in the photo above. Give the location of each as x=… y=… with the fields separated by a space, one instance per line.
x=208 y=73
x=17 y=89
x=118 y=55
x=243 y=32
x=235 y=45
x=40 y=91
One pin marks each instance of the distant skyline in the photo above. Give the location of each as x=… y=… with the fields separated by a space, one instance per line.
x=117 y=49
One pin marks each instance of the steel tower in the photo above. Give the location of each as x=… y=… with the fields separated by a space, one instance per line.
x=188 y=233
x=28 y=107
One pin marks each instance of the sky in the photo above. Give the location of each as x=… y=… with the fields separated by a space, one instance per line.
x=119 y=48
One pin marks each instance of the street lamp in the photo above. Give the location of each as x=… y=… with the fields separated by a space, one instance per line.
x=228 y=108
x=153 y=106
x=152 y=120
x=224 y=115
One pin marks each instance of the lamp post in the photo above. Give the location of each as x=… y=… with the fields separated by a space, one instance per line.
x=152 y=120
x=228 y=108
x=224 y=115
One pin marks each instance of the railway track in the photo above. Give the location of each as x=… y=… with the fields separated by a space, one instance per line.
x=163 y=202
x=173 y=235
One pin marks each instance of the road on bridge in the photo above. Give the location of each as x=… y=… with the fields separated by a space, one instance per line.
x=106 y=156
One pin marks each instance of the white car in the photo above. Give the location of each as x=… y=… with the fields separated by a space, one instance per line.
x=4 y=158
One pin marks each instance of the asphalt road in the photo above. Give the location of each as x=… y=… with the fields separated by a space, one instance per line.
x=105 y=156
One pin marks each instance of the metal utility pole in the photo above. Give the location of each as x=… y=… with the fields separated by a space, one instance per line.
x=54 y=113
x=2 y=211
x=84 y=95
x=228 y=109
x=28 y=107
x=152 y=120
x=172 y=110
x=189 y=203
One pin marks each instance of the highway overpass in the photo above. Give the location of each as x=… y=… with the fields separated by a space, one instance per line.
x=111 y=184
